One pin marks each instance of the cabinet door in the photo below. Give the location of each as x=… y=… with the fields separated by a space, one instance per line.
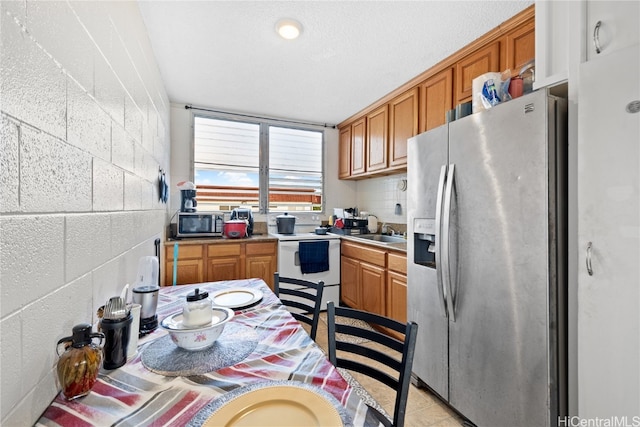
x=520 y=46
x=436 y=98
x=358 y=133
x=190 y=264
x=349 y=278
x=188 y=271
x=373 y=280
x=396 y=299
x=484 y=60
x=344 y=153
x=403 y=124
x=397 y=296
x=377 y=131
x=618 y=26
x=609 y=218
x=223 y=269
x=261 y=266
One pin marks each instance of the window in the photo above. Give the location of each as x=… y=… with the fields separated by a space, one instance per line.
x=262 y=165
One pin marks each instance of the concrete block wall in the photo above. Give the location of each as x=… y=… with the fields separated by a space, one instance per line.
x=84 y=131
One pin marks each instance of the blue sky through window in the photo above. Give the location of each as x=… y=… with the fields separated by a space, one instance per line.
x=230 y=178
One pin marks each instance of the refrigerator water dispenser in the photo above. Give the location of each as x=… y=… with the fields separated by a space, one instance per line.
x=424 y=241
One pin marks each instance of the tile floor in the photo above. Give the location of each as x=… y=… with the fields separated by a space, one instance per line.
x=423 y=408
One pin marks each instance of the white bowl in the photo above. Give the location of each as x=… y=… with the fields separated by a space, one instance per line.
x=198 y=337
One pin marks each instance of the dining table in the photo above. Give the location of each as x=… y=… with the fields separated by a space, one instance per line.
x=263 y=351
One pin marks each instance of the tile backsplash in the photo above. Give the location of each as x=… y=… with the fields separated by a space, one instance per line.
x=379 y=197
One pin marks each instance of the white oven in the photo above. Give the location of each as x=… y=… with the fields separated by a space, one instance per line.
x=289 y=262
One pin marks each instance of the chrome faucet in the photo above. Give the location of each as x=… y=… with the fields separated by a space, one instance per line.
x=385 y=229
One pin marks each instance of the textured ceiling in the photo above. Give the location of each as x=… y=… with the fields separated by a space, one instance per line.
x=226 y=54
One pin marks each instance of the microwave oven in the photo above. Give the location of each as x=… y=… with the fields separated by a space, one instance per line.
x=199 y=224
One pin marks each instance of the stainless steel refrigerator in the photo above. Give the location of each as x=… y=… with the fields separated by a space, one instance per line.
x=487 y=261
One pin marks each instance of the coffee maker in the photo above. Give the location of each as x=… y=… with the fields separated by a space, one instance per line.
x=188 y=201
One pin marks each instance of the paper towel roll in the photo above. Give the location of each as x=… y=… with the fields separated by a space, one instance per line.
x=372 y=223
x=476 y=87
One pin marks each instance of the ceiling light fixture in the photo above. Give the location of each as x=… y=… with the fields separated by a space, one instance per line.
x=288 y=28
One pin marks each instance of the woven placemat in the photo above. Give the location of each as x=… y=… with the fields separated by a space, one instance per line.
x=165 y=358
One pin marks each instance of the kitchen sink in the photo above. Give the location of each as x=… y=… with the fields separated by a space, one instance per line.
x=382 y=238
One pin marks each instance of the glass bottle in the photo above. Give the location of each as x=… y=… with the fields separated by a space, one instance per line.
x=198 y=309
x=79 y=364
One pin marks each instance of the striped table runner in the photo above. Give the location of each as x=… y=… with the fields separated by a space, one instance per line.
x=134 y=396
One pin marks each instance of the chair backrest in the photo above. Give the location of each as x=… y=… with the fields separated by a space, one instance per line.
x=303 y=298
x=359 y=356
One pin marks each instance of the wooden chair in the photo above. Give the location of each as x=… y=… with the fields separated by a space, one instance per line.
x=294 y=299
x=370 y=361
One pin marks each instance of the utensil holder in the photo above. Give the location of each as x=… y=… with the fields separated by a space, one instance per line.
x=116 y=341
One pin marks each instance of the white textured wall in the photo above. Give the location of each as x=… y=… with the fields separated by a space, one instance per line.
x=84 y=130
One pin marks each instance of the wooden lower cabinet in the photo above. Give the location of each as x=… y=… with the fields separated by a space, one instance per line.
x=374 y=280
x=188 y=271
x=224 y=262
x=261 y=260
x=349 y=281
x=191 y=267
x=397 y=296
x=397 y=288
x=373 y=284
x=202 y=262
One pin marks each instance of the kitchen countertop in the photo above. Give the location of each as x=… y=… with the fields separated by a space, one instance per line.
x=220 y=240
x=400 y=247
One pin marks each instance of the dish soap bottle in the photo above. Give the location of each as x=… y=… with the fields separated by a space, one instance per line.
x=78 y=366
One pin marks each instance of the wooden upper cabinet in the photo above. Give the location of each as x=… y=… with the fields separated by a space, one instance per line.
x=377 y=132
x=403 y=124
x=436 y=98
x=344 y=153
x=483 y=60
x=520 y=47
x=358 y=134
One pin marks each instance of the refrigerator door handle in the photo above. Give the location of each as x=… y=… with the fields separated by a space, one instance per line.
x=446 y=223
x=439 y=265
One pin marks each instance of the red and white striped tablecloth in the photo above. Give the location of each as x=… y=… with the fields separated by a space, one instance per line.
x=134 y=396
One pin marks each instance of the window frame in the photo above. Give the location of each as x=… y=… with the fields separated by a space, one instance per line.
x=263 y=158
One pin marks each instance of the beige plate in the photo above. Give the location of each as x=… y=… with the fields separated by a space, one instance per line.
x=281 y=406
x=236 y=298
